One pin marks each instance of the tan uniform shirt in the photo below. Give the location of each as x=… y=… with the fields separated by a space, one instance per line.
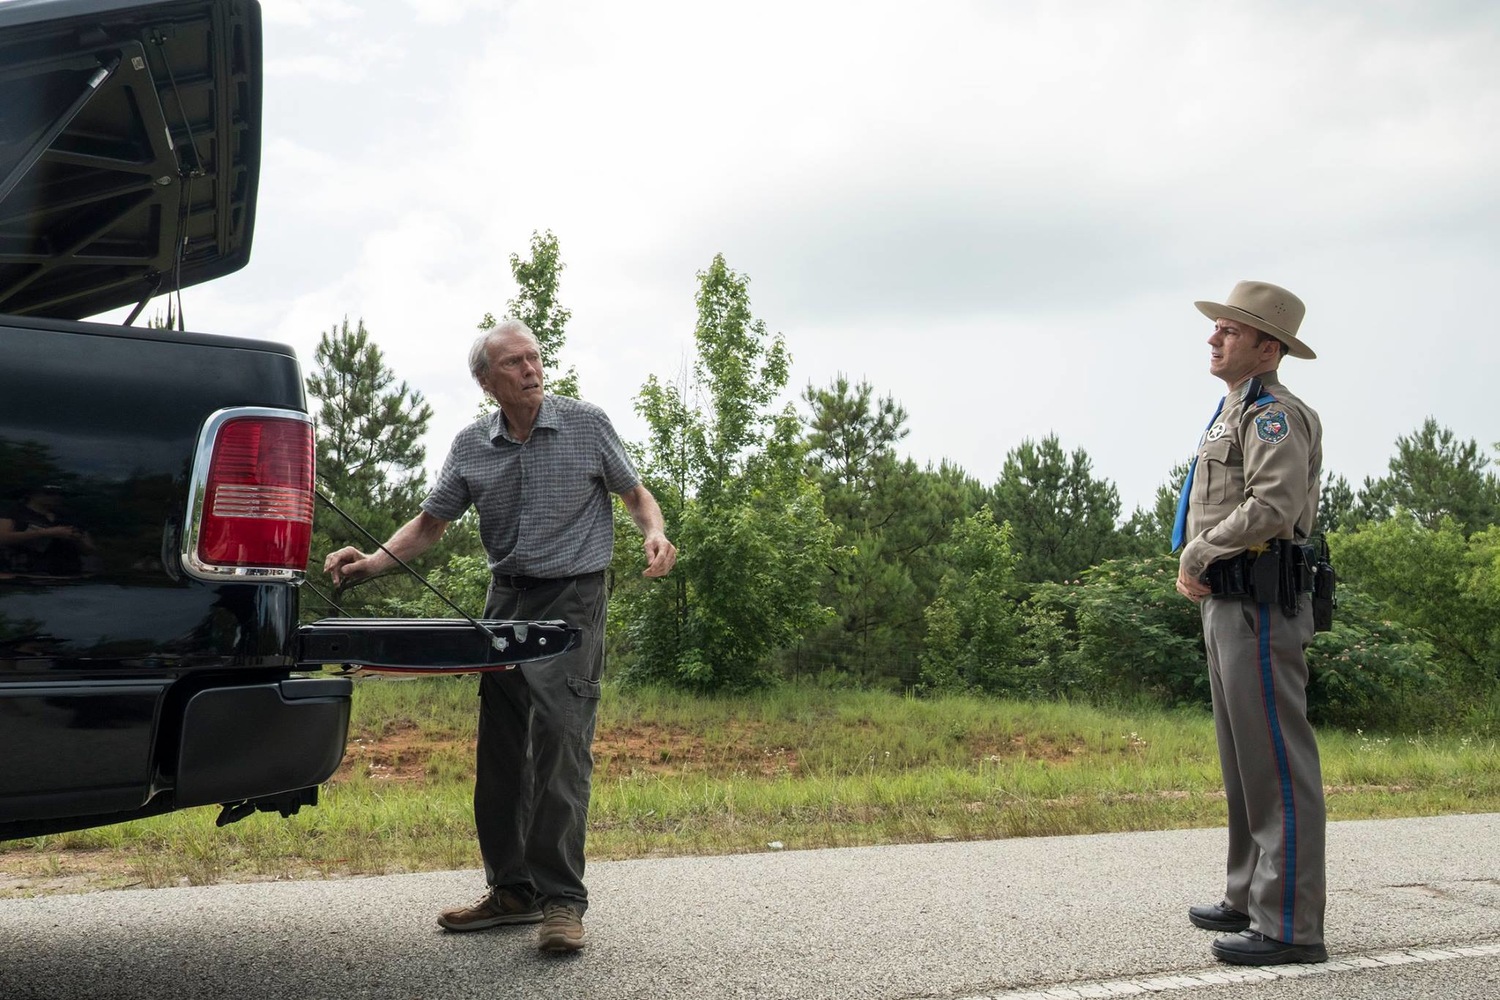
x=1259 y=469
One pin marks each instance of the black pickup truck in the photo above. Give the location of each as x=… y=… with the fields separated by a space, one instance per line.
x=157 y=486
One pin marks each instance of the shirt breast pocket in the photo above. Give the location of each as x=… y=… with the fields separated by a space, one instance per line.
x=1221 y=473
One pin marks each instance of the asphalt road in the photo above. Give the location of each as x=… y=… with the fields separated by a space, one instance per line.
x=1414 y=911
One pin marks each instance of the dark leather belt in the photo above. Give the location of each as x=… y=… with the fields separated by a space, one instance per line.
x=1284 y=568
x=519 y=582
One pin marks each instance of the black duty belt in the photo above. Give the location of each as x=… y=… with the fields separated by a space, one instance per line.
x=1277 y=574
x=1280 y=573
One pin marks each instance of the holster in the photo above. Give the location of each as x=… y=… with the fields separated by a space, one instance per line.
x=1279 y=574
x=1324 y=578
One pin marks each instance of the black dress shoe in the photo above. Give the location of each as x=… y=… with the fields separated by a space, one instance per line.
x=1218 y=917
x=1254 y=948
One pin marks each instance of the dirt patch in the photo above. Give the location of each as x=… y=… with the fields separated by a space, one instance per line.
x=668 y=750
x=402 y=754
x=1029 y=746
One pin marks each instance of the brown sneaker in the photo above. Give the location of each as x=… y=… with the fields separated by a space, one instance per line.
x=494 y=909
x=562 y=929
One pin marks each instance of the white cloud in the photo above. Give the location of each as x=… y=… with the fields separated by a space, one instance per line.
x=330 y=67
x=447 y=12
x=998 y=213
x=307 y=13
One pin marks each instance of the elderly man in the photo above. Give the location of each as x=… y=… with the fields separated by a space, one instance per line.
x=540 y=471
x=1251 y=495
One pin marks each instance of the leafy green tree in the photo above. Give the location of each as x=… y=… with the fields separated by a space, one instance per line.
x=1371 y=672
x=1120 y=631
x=536 y=305
x=1123 y=632
x=728 y=472
x=1063 y=518
x=1481 y=588
x=1482 y=579
x=369 y=452
x=1425 y=578
x=741 y=368
x=1433 y=475
x=974 y=625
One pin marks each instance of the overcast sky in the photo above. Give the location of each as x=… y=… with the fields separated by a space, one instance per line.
x=998 y=212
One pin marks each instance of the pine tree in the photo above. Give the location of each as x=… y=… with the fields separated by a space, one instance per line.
x=1432 y=476
x=369 y=451
x=1064 y=520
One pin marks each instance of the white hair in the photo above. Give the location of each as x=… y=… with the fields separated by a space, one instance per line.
x=479 y=354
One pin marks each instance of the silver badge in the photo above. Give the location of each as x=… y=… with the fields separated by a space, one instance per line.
x=1216 y=431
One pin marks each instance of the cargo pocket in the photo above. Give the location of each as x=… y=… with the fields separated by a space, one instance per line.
x=583 y=687
x=582 y=710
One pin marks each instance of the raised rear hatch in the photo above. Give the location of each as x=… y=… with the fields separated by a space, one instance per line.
x=129 y=149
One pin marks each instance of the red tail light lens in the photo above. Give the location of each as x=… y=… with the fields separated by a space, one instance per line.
x=257 y=499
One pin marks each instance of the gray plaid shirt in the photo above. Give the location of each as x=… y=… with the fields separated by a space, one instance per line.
x=544 y=506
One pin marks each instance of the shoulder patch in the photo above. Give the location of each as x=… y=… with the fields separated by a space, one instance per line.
x=1271 y=426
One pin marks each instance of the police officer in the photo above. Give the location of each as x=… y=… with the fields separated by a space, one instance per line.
x=1250 y=494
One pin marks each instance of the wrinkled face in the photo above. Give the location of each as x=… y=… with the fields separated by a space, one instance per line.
x=514 y=378
x=1235 y=355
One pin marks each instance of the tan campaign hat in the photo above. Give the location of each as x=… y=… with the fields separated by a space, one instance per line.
x=1266 y=307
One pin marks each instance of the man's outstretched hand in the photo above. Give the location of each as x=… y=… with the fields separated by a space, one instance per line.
x=347 y=565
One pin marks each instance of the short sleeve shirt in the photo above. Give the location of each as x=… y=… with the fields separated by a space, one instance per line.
x=544 y=505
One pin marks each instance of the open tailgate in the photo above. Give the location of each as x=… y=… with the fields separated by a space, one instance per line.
x=431 y=645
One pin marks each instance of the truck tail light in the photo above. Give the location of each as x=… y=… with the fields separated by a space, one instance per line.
x=252 y=501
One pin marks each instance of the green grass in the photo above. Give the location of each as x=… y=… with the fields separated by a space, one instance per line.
x=799 y=766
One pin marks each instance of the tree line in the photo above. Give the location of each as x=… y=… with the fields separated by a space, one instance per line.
x=811 y=548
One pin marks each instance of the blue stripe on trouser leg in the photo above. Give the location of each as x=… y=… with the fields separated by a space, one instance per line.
x=1283 y=774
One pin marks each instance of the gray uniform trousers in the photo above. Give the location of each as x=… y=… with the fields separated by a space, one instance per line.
x=536 y=726
x=1269 y=756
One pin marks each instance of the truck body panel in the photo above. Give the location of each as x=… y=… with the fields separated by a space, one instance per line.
x=123 y=677
x=156 y=486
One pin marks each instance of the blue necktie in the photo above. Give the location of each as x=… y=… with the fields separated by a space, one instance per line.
x=1179 y=526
